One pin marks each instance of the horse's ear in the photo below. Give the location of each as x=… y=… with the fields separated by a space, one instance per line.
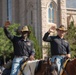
x=50 y=62
x=55 y=60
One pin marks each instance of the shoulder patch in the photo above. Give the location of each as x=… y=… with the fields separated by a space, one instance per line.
x=28 y=43
x=66 y=41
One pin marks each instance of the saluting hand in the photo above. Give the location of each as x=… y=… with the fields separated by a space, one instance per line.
x=52 y=29
x=7 y=23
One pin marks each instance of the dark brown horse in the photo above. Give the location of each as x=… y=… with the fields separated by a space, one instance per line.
x=70 y=68
x=47 y=68
x=51 y=68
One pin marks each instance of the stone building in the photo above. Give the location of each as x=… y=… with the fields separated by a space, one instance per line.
x=40 y=14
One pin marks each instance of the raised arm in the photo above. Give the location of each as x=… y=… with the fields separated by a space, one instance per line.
x=46 y=36
x=7 y=33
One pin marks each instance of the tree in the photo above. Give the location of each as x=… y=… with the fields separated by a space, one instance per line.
x=5 y=44
x=71 y=37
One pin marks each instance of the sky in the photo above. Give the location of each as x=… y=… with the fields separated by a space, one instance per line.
x=71 y=3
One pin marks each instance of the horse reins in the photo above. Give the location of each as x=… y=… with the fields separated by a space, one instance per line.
x=65 y=69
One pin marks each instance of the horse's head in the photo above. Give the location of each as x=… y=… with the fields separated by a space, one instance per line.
x=51 y=69
x=47 y=68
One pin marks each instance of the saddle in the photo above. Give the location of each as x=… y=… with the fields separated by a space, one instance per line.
x=28 y=67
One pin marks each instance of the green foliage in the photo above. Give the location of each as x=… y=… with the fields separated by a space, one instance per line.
x=36 y=44
x=4 y=44
x=71 y=37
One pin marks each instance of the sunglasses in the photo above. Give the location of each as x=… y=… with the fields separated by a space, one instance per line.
x=24 y=32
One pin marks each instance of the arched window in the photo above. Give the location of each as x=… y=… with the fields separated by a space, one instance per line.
x=50 y=14
x=9 y=10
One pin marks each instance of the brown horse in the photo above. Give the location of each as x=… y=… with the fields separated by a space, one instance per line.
x=47 y=68
x=51 y=69
x=70 y=68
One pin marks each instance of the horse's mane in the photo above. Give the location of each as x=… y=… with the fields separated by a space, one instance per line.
x=73 y=61
x=45 y=67
x=38 y=66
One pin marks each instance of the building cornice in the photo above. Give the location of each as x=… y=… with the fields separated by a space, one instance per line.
x=71 y=9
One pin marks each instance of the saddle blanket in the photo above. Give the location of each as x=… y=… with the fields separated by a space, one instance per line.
x=30 y=67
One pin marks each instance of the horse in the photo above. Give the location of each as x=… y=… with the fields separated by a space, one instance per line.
x=47 y=68
x=70 y=68
x=51 y=69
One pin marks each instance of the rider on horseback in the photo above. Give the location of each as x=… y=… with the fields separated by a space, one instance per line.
x=60 y=48
x=23 y=47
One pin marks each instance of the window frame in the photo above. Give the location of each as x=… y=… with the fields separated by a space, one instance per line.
x=50 y=12
x=9 y=10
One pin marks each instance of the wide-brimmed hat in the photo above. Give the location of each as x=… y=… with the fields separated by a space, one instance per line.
x=25 y=29
x=62 y=28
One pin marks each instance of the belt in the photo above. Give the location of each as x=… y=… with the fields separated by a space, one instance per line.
x=60 y=55
x=20 y=56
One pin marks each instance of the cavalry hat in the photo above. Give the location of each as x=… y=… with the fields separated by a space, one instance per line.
x=25 y=29
x=62 y=28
